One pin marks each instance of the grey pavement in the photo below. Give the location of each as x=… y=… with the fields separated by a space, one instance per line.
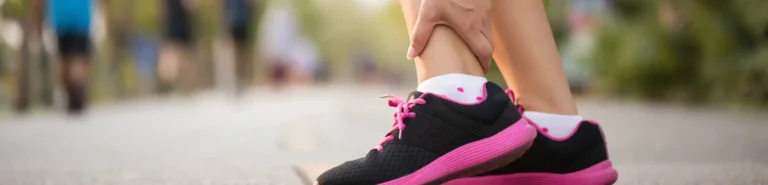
x=269 y=137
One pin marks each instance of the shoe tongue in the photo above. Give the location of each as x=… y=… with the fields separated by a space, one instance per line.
x=414 y=95
x=395 y=133
x=411 y=96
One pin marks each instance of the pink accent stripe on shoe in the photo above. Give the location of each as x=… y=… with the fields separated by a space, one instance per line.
x=600 y=174
x=474 y=158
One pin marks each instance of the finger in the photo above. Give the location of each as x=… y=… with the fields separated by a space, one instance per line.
x=488 y=34
x=422 y=31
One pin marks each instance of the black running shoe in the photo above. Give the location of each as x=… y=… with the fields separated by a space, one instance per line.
x=579 y=159
x=434 y=140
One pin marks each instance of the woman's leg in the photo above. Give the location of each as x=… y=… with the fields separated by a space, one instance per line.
x=447 y=63
x=445 y=53
x=567 y=149
x=436 y=150
x=527 y=56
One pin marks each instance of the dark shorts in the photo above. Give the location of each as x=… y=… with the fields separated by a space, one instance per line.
x=239 y=15
x=178 y=22
x=240 y=34
x=71 y=45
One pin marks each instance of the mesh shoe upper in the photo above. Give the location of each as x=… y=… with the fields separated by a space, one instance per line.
x=438 y=127
x=586 y=147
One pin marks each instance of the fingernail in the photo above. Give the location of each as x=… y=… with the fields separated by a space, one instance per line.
x=410 y=53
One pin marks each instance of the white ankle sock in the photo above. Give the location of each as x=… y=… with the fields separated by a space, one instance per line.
x=555 y=125
x=458 y=87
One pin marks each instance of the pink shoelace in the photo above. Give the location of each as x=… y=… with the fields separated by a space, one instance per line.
x=403 y=111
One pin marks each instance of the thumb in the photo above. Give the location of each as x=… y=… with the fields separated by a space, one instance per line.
x=421 y=32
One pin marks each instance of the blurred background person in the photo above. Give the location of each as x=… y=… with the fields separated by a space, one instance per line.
x=32 y=24
x=281 y=31
x=239 y=16
x=176 y=65
x=71 y=20
x=34 y=75
x=306 y=62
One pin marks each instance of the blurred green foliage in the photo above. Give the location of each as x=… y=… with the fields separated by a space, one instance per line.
x=557 y=13
x=696 y=51
x=344 y=28
x=13 y=9
x=147 y=16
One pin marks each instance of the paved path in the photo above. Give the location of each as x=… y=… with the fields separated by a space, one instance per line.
x=267 y=137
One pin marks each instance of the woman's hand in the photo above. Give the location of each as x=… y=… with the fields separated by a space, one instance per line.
x=470 y=19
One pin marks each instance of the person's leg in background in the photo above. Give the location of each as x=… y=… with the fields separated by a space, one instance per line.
x=239 y=17
x=167 y=66
x=74 y=51
x=176 y=68
x=31 y=50
x=22 y=99
x=568 y=149
x=243 y=61
x=424 y=148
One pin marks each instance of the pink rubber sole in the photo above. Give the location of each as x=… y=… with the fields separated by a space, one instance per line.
x=600 y=174
x=474 y=158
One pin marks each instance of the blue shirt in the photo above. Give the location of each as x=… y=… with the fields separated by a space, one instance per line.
x=71 y=16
